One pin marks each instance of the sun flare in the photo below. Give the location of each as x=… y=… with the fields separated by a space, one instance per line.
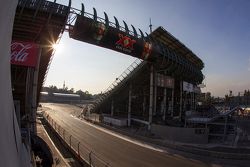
x=55 y=46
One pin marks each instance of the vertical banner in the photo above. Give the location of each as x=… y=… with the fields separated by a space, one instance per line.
x=24 y=53
x=188 y=87
x=164 y=81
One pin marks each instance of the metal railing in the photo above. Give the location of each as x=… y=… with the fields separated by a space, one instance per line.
x=46 y=6
x=79 y=148
x=108 y=22
x=118 y=81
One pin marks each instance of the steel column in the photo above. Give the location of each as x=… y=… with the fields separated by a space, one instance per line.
x=34 y=99
x=172 y=109
x=164 y=103
x=112 y=108
x=155 y=93
x=129 y=104
x=151 y=96
x=181 y=85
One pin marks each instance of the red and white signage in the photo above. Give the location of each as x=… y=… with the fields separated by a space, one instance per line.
x=24 y=53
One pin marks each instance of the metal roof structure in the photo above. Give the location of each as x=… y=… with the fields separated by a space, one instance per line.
x=35 y=19
x=169 y=41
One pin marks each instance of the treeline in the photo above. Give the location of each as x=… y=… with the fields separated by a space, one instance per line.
x=53 y=89
x=246 y=93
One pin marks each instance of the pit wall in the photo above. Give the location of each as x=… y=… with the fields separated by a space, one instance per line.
x=179 y=134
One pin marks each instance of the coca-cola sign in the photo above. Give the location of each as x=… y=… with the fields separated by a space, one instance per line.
x=24 y=53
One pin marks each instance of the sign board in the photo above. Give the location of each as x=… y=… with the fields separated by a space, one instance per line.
x=164 y=81
x=197 y=89
x=188 y=87
x=24 y=53
x=100 y=34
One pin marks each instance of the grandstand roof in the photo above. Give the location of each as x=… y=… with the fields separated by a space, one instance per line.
x=163 y=36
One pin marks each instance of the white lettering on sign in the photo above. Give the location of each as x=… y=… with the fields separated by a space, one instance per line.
x=19 y=51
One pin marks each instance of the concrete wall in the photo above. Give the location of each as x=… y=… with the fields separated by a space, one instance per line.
x=177 y=134
x=115 y=121
x=13 y=153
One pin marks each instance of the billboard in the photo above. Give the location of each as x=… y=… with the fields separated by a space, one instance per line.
x=197 y=89
x=100 y=34
x=188 y=87
x=164 y=81
x=24 y=53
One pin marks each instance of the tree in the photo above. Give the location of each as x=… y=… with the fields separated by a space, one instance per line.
x=52 y=89
x=71 y=90
x=84 y=95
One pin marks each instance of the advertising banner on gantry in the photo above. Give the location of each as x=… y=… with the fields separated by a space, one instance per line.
x=100 y=34
x=24 y=53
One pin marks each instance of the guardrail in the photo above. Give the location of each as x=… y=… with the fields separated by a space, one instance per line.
x=82 y=152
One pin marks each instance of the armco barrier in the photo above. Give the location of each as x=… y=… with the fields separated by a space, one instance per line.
x=81 y=151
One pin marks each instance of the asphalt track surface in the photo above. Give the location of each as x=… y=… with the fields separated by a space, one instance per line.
x=115 y=150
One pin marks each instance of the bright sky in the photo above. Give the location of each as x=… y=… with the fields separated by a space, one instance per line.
x=217 y=31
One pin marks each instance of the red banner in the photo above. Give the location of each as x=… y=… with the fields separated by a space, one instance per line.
x=24 y=53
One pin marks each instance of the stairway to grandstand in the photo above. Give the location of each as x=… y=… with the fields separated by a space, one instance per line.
x=132 y=70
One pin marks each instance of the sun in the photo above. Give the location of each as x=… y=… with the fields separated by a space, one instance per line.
x=55 y=46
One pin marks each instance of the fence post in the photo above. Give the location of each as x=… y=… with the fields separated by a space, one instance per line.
x=59 y=129
x=64 y=134
x=55 y=125
x=78 y=149
x=90 y=158
x=70 y=140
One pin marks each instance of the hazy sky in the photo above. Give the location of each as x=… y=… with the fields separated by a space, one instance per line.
x=218 y=31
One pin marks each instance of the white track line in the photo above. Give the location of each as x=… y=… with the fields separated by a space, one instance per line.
x=126 y=138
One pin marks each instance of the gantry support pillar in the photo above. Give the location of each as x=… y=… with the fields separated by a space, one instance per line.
x=112 y=108
x=129 y=104
x=181 y=99
x=151 y=96
x=164 y=103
